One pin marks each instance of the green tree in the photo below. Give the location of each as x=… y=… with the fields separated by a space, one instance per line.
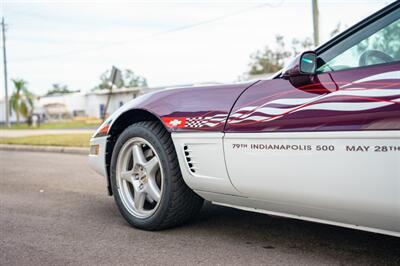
x=129 y=79
x=298 y=46
x=58 y=89
x=21 y=100
x=271 y=60
x=126 y=78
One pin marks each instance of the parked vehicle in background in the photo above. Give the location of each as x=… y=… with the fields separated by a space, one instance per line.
x=320 y=141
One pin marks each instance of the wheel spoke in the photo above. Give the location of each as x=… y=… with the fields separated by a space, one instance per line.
x=127 y=176
x=139 y=199
x=152 y=166
x=138 y=156
x=152 y=189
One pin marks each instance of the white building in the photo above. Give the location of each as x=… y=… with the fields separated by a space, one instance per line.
x=90 y=104
x=83 y=104
x=63 y=106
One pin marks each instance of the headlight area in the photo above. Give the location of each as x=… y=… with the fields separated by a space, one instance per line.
x=97 y=151
x=102 y=131
x=97 y=154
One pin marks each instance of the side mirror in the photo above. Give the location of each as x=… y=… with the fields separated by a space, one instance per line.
x=304 y=64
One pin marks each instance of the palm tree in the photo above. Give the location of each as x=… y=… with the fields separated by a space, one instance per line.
x=21 y=100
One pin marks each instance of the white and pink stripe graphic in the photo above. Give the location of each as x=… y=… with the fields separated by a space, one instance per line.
x=362 y=100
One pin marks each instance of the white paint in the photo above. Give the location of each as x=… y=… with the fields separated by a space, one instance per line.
x=294 y=101
x=175 y=122
x=206 y=152
x=361 y=188
x=346 y=106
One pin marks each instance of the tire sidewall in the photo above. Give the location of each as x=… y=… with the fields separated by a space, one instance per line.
x=141 y=131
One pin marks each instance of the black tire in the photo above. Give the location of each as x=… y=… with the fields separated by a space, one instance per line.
x=178 y=202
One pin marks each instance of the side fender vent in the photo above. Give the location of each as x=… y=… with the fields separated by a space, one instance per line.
x=190 y=159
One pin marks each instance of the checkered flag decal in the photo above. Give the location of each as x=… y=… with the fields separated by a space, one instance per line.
x=195 y=122
x=205 y=121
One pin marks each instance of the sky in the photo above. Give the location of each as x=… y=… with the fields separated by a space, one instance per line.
x=167 y=42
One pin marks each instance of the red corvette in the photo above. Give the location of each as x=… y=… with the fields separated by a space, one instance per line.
x=320 y=141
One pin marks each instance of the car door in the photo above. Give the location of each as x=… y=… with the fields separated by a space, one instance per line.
x=327 y=147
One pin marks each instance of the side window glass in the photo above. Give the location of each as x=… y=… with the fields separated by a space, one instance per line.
x=381 y=47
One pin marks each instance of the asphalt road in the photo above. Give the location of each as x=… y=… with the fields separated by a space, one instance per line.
x=54 y=211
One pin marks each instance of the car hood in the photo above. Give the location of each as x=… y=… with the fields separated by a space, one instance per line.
x=187 y=103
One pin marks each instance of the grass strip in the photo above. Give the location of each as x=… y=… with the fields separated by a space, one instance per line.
x=68 y=140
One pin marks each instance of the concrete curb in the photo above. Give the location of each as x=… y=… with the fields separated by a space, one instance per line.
x=69 y=150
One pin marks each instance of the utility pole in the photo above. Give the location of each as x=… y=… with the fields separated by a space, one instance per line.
x=115 y=77
x=3 y=28
x=315 y=21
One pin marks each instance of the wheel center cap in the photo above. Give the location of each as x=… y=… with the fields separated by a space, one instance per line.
x=140 y=173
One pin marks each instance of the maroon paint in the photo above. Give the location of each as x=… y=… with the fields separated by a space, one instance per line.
x=207 y=108
x=382 y=118
x=194 y=103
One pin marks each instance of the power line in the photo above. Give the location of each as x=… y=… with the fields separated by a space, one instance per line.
x=172 y=30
